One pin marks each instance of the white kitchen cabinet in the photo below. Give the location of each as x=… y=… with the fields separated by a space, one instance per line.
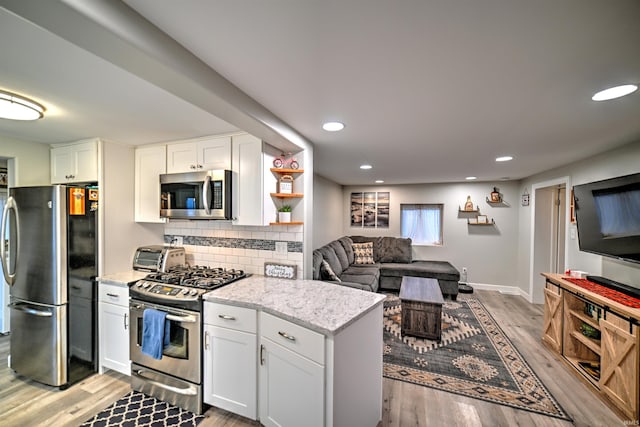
x=77 y=162
x=230 y=358
x=150 y=162
x=199 y=155
x=113 y=328
x=253 y=181
x=292 y=386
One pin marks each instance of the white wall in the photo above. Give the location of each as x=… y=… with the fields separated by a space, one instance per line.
x=488 y=252
x=29 y=161
x=328 y=211
x=621 y=161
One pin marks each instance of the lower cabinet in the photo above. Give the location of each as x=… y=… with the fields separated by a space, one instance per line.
x=230 y=359
x=264 y=367
x=113 y=326
x=292 y=385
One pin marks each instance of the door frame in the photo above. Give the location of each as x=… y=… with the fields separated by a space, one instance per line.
x=566 y=180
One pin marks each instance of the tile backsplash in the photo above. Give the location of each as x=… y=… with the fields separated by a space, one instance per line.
x=221 y=244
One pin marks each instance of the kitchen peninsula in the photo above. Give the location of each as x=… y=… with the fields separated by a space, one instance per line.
x=314 y=349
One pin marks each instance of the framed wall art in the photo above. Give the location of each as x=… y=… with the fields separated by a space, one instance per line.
x=4 y=178
x=370 y=209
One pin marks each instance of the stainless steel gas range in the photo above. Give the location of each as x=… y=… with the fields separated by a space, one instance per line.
x=177 y=376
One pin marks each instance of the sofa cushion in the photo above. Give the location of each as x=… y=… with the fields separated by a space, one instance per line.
x=371 y=269
x=317 y=260
x=364 y=279
x=441 y=270
x=347 y=244
x=363 y=253
x=330 y=256
x=327 y=273
x=340 y=253
x=393 y=249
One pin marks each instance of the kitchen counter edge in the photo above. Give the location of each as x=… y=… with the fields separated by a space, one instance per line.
x=320 y=306
x=123 y=278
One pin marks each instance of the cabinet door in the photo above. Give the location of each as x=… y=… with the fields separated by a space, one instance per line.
x=114 y=337
x=230 y=370
x=182 y=157
x=85 y=158
x=214 y=154
x=552 y=326
x=61 y=164
x=619 y=364
x=248 y=167
x=150 y=162
x=291 y=388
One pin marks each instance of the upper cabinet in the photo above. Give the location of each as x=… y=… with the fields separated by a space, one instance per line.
x=201 y=154
x=77 y=162
x=150 y=162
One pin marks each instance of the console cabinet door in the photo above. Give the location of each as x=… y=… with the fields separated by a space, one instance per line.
x=74 y=162
x=150 y=162
x=619 y=364
x=230 y=370
x=291 y=388
x=552 y=326
x=199 y=155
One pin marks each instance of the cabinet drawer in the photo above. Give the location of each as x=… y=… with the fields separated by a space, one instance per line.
x=303 y=341
x=114 y=294
x=230 y=316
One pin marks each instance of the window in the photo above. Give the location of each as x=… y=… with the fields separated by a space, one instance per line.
x=422 y=223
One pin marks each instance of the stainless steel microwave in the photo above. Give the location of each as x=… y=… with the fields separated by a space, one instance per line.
x=196 y=195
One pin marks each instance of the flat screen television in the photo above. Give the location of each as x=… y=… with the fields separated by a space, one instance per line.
x=608 y=217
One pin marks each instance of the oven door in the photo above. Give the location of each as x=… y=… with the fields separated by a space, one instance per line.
x=181 y=358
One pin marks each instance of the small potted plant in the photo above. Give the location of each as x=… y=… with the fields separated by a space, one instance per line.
x=284 y=213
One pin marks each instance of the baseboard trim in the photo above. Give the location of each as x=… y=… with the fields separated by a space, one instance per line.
x=509 y=290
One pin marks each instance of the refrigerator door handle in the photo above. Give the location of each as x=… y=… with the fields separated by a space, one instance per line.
x=10 y=205
x=26 y=309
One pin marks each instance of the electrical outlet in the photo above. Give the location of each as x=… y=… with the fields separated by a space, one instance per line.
x=281 y=248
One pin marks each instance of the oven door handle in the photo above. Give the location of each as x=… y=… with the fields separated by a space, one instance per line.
x=181 y=319
x=190 y=391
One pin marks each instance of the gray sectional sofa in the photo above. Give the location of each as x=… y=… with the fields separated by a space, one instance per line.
x=392 y=259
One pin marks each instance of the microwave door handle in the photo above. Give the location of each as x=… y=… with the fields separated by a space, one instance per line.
x=206 y=194
x=10 y=205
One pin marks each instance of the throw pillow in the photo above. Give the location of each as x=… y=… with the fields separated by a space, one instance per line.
x=363 y=253
x=327 y=272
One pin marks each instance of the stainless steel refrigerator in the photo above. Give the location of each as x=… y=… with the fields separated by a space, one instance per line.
x=49 y=256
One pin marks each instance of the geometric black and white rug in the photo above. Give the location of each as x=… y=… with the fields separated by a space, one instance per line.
x=137 y=409
x=474 y=359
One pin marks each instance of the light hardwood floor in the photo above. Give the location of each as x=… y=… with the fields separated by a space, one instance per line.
x=24 y=403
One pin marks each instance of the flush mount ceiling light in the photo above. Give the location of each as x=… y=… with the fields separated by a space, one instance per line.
x=17 y=107
x=379 y=181
x=504 y=158
x=366 y=166
x=614 y=92
x=333 y=126
x=471 y=178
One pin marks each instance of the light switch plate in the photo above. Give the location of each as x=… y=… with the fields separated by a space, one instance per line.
x=281 y=248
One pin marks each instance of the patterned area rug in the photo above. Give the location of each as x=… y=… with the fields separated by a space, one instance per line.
x=474 y=359
x=138 y=410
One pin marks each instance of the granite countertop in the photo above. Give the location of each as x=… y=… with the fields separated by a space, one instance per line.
x=320 y=306
x=123 y=277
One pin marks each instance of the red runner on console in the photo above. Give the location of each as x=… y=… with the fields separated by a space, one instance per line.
x=612 y=294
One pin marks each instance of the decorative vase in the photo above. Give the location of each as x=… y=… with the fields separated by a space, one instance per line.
x=284 y=216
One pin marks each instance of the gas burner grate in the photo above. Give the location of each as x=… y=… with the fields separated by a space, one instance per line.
x=197 y=276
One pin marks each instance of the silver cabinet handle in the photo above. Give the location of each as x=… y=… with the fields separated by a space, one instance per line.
x=226 y=317
x=9 y=205
x=287 y=336
x=206 y=340
x=113 y=295
x=261 y=354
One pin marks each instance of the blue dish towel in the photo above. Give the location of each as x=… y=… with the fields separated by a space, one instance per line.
x=155 y=332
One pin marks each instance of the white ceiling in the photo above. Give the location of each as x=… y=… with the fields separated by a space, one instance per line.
x=429 y=90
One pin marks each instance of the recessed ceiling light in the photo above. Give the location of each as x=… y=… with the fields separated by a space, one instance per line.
x=333 y=126
x=379 y=181
x=17 y=107
x=504 y=158
x=365 y=166
x=471 y=178
x=614 y=92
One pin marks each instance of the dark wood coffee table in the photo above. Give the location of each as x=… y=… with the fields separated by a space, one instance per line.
x=421 y=301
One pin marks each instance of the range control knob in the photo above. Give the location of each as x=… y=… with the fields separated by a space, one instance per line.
x=193 y=292
x=185 y=291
